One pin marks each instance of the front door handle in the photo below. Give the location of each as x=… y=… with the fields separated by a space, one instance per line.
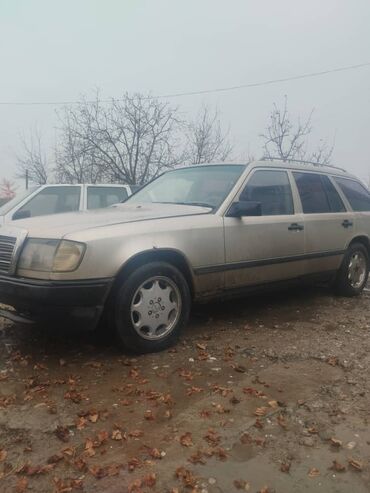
x=296 y=227
x=346 y=223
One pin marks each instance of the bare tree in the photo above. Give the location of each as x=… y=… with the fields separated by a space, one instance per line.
x=74 y=161
x=129 y=140
x=284 y=140
x=32 y=161
x=205 y=139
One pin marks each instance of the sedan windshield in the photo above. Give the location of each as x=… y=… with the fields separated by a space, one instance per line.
x=206 y=186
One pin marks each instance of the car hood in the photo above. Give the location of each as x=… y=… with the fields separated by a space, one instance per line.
x=59 y=225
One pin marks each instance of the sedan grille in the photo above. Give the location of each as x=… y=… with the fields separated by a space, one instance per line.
x=7 y=244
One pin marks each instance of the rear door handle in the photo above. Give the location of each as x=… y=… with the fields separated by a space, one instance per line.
x=296 y=227
x=346 y=223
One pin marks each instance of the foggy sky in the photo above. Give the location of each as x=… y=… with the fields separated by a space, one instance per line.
x=57 y=50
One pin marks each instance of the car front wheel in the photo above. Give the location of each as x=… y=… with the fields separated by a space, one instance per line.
x=353 y=273
x=151 y=307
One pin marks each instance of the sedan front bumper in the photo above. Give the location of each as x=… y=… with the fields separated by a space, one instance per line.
x=54 y=302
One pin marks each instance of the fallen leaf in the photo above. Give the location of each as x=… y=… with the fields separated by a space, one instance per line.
x=133 y=463
x=197 y=458
x=3 y=455
x=81 y=423
x=98 y=472
x=150 y=479
x=335 y=442
x=186 y=440
x=74 y=396
x=212 y=437
x=136 y=433
x=114 y=469
x=313 y=430
x=337 y=466
x=241 y=484
x=193 y=390
x=55 y=458
x=332 y=360
x=148 y=415
x=135 y=486
x=62 y=432
x=246 y=439
x=202 y=347
x=281 y=421
x=261 y=411
x=258 y=424
x=285 y=467
x=356 y=464
x=94 y=417
x=22 y=485
x=102 y=437
x=155 y=453
x=313 y=472
x=116 y=435
x=187 y=478
x=69 y=451
x=80 y=464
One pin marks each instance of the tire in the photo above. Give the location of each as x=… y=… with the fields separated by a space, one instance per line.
x=344 y=285
x=151 y=307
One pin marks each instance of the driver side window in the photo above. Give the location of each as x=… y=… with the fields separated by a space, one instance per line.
x=272 y=190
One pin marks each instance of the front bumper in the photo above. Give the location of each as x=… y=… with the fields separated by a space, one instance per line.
x=55 y=302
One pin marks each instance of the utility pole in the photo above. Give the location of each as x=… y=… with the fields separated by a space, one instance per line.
x=26 y=179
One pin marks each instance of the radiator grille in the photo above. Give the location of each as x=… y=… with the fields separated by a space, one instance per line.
x=7 y=244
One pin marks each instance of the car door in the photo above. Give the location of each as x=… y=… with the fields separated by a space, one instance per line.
x=328 y=225
x=269 y=247
x=358 y=198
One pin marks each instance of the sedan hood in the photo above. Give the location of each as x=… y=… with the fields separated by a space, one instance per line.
x=59 y=225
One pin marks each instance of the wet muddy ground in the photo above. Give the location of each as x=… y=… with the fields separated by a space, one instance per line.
x=266 y=394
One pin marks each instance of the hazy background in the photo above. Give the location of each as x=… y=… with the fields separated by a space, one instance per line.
x=57 y=50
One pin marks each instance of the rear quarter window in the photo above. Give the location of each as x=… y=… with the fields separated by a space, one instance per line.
x=356 y=194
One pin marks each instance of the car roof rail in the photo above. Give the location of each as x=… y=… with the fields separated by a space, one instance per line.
x=302 y=161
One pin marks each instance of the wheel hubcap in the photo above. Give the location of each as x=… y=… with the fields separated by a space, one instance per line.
x=155 y=307
x=357 y=270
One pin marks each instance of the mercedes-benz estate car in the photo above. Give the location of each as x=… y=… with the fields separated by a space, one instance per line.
x=192 y=234
x=57 y=198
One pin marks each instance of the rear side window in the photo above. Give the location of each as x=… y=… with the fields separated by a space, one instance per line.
x=317 y=194
x=98 y=197
x=272 y=190
x=335 y=202
x=356 y=194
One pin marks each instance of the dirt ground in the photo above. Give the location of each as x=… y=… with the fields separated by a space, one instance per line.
x=265 y=394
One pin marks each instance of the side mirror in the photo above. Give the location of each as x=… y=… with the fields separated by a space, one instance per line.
x=245 y=208
x=21 y=214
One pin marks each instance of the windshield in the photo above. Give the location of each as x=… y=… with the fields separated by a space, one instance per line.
x=4 y=209
x=204 y=185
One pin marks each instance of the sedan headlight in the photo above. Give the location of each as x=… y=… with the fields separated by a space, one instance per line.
x=51 y=255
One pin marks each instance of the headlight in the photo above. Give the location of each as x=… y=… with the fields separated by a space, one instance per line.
x=51 y=255
x=68 y=256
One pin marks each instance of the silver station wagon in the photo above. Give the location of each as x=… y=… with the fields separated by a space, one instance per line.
x=192 y=234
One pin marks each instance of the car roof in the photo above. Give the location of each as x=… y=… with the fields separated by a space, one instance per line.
x=82 y=185
x=291 y=164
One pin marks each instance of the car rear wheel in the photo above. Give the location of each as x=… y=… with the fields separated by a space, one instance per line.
x=151 y=307
x=353 y=273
